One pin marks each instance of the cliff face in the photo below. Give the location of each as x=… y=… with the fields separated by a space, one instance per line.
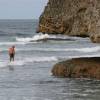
x=71 y=17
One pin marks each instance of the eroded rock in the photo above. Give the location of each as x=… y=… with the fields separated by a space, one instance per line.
x=78 y=68
x=95 y=38
x=71 y=17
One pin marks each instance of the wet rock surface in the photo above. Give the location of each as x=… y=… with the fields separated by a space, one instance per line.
x=78 y=68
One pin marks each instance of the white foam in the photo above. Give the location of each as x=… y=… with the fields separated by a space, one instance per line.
x=84 y=50
x=81 y=50
x=20 y=62
x=12 y=43
x=90 y=49
x=34 y=38
x=41 y=59
x=95 y=55
x=5 y=64
x=89 y=91
x=51 y=37
x=66 y=37
x=46 y=36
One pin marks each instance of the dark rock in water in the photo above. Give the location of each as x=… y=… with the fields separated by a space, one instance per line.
x=78 y=68
x=71 y=17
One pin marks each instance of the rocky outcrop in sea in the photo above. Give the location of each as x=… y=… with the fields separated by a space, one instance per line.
x=78 y=68
x=71 y=17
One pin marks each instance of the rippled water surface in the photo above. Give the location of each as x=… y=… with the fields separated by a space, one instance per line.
x=29 y=77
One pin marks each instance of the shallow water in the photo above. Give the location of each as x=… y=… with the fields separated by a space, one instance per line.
x=29 y=77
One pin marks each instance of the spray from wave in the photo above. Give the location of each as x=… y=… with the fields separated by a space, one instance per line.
x=41 y=37
x=34 y=38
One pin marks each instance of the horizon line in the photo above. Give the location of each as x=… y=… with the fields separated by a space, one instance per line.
x=18 y=19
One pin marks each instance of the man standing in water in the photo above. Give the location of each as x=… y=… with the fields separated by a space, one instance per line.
x=12 y=53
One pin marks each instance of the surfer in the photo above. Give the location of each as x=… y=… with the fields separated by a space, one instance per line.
x=11 y=53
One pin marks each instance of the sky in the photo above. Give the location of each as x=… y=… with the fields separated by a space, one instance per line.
x=21 y=9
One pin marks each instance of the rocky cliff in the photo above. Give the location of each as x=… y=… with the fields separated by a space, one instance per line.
x=71 y=17
x=78 y=68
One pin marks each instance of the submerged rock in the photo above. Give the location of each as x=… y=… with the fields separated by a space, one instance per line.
x=78 y=68
x=71 y=17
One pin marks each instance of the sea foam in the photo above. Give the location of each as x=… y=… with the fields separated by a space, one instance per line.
x=12 y=43
x=47 y=37
x=34 y=38
x=81 y=50
x=20 y=62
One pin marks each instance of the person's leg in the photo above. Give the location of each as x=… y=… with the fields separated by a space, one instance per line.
x=13 y=57
x=10 y=57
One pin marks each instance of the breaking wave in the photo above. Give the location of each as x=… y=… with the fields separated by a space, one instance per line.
x=41 y=37
x=34 y=38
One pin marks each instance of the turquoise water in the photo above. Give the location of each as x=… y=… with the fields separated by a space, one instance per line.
x=29 y=77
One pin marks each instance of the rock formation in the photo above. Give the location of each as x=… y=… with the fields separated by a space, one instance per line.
x=95 y=38
x=78 y=68
x=71 y=17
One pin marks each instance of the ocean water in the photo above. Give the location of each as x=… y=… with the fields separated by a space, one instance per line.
x=29 y=77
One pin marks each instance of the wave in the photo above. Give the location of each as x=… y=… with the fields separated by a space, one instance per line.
x=41 y=37
x=90 y=49
x=12 y=43
x=81 y=50
x=20 y=62
x=84 y=50
x=34 y=38
x=83 y=56
x=13 y=34
x=5 y=64
x=41 y=59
